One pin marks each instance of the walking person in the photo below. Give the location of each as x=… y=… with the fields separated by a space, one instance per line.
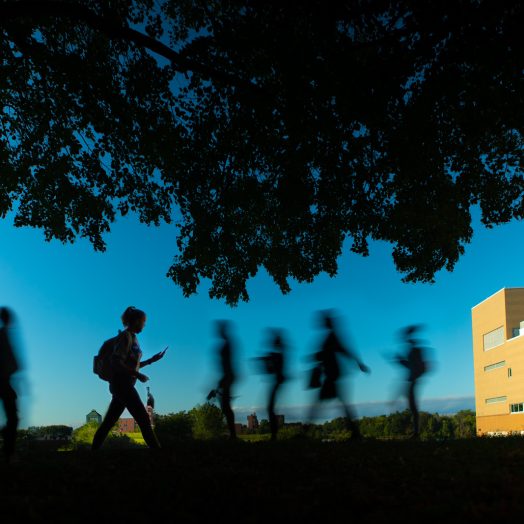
x=226 y=381
x=9 y=365
x=413 y=360
x=274 y=366
x=327 y=373
x=126 y=364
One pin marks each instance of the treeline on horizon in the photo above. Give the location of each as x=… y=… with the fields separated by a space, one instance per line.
x=205 y=422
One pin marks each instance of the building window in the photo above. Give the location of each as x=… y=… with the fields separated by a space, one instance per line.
x=516 y=408
x=494 y=338
x=510 y=374
x=495 y=400
x=515 y=332
x=500 y=364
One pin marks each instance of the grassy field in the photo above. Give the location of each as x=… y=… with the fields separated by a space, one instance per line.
x=370 y=481
x=136 y=437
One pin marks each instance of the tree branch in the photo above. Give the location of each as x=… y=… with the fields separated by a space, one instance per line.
x=38 y=9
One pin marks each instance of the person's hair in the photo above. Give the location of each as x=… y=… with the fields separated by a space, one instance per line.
x=131 y=315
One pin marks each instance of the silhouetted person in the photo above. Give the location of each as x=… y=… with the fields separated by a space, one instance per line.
x=274 y=366
x=414 y=362
x=225 y=383
x=327 y=372
x=126 y=366
x=8 y=366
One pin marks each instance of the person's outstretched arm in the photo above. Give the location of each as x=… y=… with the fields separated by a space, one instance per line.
x=351 y=356
x=154 y=358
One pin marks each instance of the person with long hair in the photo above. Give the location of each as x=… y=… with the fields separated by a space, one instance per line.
x=126 y=363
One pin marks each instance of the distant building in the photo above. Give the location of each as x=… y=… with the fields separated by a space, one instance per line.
x=239 y=428
x=252 y=421
x=150 y=407
x=498 y=349
x=127 y=425
x=93 y=416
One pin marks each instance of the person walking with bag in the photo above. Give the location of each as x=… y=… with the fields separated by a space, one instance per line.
x=126 y=365
x=326 y=374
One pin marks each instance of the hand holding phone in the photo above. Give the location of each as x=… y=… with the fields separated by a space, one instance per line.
x=158 y=356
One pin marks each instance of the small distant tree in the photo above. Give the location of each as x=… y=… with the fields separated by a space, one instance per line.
x=399 y=424
x=83 y=436
x=208 y=421
x=465 y=424
x=447 y=429
x=53 y=432
x=291 y=432
x=174 y=427
x=374 y=427
x=264 y=427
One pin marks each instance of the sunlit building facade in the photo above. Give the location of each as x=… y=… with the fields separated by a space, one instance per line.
x=498 y=356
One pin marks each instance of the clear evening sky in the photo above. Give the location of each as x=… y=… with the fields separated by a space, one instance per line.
x=69 y=300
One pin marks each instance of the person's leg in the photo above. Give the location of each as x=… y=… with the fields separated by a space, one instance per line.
x=273 y=424
x=116 y=408
x=136 y=407
x=351 y=420
x=413 y=407
x=225 y=404
x=8 y=395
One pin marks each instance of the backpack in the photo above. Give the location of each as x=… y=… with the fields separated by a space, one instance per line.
x=102 y=361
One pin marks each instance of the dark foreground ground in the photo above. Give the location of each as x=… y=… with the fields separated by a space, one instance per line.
x=371 y=481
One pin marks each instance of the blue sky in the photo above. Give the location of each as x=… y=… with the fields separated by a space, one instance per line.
x=69 y=300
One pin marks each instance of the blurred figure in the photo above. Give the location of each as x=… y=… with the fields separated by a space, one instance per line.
x=273 y=364
x=326 y=374
x=8 y=366
x=225 y=383
x=416 y=365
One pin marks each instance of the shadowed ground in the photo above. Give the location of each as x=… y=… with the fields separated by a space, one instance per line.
x=372 y=481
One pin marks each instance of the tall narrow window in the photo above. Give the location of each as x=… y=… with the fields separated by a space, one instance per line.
x=509 y=372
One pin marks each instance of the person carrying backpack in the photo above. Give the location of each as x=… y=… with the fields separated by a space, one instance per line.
x=126 y=365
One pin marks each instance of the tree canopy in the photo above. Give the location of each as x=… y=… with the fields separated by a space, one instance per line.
x=269 y=132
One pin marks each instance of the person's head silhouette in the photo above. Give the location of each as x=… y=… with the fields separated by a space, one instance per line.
x=6 y=316
x=222 y=327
